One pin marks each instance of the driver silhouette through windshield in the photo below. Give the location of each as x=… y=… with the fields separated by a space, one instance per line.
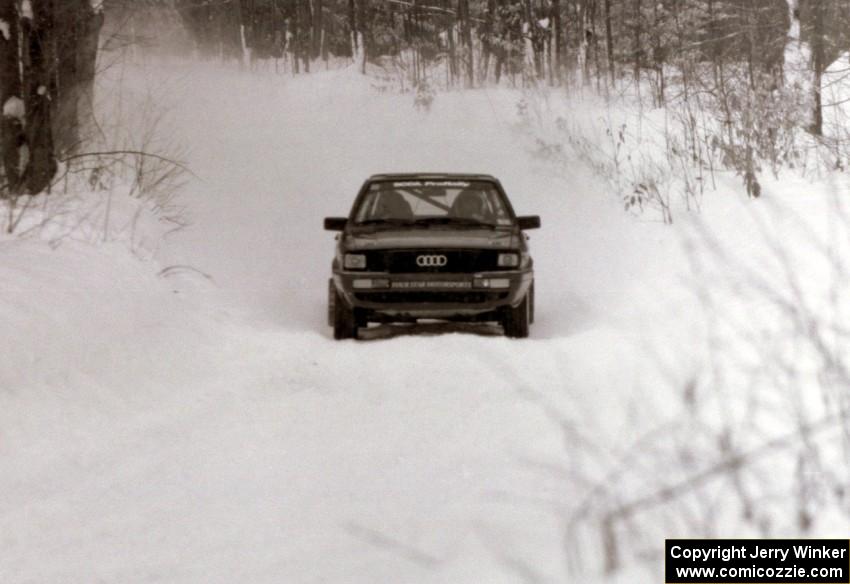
x=471 y=204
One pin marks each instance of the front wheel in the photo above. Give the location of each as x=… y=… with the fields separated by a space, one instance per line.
x=344 y=323
x=515 y=319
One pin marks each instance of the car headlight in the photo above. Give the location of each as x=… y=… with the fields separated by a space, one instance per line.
x=508 y=260
x=355 y=261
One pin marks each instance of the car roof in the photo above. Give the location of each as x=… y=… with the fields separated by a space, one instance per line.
x=432 y=176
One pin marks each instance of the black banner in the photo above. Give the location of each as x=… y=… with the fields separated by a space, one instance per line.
x=757 y=561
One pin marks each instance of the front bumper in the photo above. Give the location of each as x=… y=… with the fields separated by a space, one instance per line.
x=433 y=295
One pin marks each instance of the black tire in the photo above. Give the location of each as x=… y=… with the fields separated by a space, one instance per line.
x=331 y=302
x=515 y=319
x=531 y=304
x=345 y=325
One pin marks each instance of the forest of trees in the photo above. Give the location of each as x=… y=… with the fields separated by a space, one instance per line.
x=741 y=77
x=479 y=41
x=475 y=42
x=726 y=56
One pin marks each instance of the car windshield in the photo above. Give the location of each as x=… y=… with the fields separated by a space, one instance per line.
x=433 y=202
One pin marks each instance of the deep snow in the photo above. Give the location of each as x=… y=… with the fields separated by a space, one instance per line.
x=172 y=429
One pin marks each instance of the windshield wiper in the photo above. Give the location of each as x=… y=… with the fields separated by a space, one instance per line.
x=385 y=221
x=460 y=221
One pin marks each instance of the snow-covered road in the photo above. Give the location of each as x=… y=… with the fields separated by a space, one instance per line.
x=220 y=435
x=277 y=155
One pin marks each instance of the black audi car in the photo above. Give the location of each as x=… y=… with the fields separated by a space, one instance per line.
x=431 y=246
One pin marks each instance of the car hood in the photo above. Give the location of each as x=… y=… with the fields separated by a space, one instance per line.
x=432 y=238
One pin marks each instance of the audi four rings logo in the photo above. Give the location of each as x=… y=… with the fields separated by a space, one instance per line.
x=431 y=261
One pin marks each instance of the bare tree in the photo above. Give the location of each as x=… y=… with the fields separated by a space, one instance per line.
x=77 y=32
x=11 y=93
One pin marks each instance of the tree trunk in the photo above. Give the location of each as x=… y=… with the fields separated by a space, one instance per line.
x=352 y=27
x=594 y=43
x=307 y=33
x=536 y=39
x=296 y=40
x=87 y=46
x=637 y=46
x=318 y=28
x=36 y=54
x=609 y=41
x=557 y=50
x=452 y=62
x=584 y=44
x=487 y=40
x=77 y=33
x=13 y=138
x=818 y=66
x=466 y=38
x=364 y=34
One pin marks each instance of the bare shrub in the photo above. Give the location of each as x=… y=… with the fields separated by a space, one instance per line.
x=752 y=437
x=639 y=176
x=664 y=157
x=131 y=171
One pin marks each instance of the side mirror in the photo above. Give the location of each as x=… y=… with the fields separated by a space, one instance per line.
x=335 y=223
x=529 y=222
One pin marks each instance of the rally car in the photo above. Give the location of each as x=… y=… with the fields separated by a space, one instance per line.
x=431 y=246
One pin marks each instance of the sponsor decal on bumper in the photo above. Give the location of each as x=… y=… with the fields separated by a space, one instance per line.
x=426 y=284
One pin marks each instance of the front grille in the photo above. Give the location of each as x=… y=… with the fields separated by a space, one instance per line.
x=458 y=261
x=422 y=297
